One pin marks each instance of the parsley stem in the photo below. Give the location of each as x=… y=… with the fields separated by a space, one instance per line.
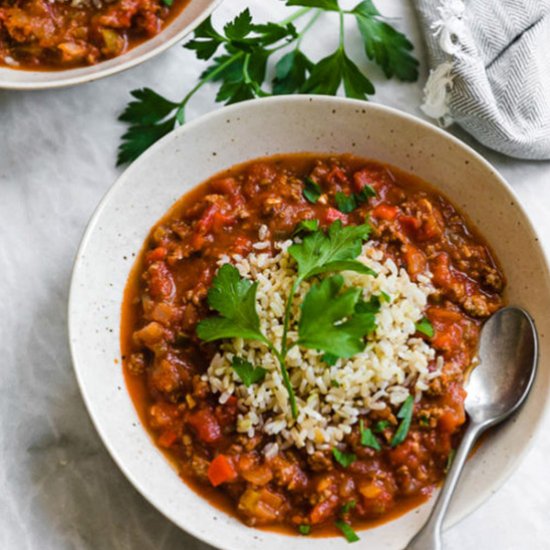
x=309 y=25
x=286 y=378
x=296 y=15
x=288 y=307
x=210 y=76
x=341 y=39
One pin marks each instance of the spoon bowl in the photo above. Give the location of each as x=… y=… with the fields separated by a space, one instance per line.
x=496 y=388
x=507 y=354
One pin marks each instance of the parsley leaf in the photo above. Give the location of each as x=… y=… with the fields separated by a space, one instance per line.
x=206 y=40
x=349 y=505
x=365 y=194
x=344 y=459
x=367 y=437
x=345 y=203
x=312 y=190
x=149 y=108
x=383 y=44
x=304 y=529
x=347 y=530
x=239 y=27
x=331 y=360
x=405 y=413
x=247 y=372
x=329 y=5
x=335 y=251
x=381 y=425
x=425 y=327
x=348 y=203
x=291 y=72
x=328 y=321
x=306 y=226
x=148 y=118
x=337 y=68
x=235 y=299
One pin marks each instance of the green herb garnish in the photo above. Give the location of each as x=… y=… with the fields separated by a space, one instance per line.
x=347 y=531
x=306 y=226
x=332 y=320
x=312 y=190
x=344 y=459
x=329 y=321
x=348 y=203
x=304 y=529
x=330 y=252
x=345 y=203
x=330 y=359
x=247 y=372
x=385 y=296
x=239 y=58
x=425 y=327
x=348 y=506
x=367 y=437
x=335 y=383
x=235 y=299
x=381 y=425
x=405 y=413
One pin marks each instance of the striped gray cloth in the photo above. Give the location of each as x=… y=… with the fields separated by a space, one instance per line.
x=490 y=62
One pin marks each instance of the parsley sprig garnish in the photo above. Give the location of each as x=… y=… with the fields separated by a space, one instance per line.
x=332 y=320
x=239 y=55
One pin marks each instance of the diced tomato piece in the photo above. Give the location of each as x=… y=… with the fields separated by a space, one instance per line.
x=221 y=470
x=206 y=425
x=410 y=224
x=448 y=328
x=161 y=282
x=156 y=255
x=385 y=211
x=454 y=415
x=227 y=186
x=331 y=215
x=337 y=176
x=415 y=260
x=167 y=438
x=441 y=270
x=213 y=219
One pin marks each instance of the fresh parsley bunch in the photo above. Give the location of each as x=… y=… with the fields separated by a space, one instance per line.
x=239 y=56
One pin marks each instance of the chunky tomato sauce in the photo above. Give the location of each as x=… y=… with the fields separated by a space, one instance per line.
x=61 y=34
x=164 y=360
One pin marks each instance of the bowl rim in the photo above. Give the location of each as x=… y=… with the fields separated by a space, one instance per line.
x=58 y=81
x=452 y=519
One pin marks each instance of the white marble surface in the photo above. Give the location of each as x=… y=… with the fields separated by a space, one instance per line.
x=59 y=489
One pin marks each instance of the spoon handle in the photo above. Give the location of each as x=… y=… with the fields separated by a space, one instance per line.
x=429 y=537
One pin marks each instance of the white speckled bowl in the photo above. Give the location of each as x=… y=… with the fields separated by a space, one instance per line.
x=189 y=18
x=254 y=129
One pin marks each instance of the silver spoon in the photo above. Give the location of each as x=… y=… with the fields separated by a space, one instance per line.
x=496 y=389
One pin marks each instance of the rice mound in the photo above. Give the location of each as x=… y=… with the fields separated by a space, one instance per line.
x=330 y=399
